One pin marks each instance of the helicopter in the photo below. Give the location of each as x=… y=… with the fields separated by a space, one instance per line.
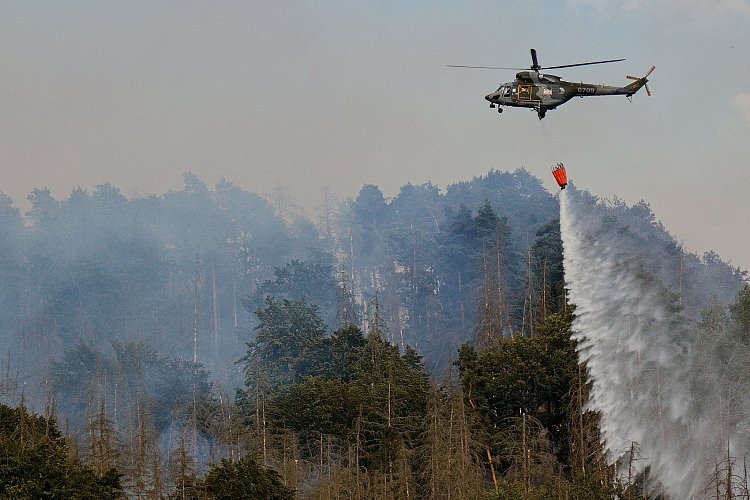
x=542 y=92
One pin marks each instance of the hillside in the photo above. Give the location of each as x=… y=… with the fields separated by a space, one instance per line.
x=140 y=317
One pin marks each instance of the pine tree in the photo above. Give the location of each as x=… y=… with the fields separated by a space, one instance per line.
x=103 y=448
x=183 y=474
x=452 y=467
x=493 y=316
x=244 y=478
x=35 y=462
x=740 y=314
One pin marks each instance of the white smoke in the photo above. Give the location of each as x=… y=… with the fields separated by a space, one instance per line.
x=658 y=382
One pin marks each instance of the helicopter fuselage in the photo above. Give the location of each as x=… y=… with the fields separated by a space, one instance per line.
x=542 y=92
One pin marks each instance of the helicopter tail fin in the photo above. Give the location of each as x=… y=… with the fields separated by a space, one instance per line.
x=638 y=83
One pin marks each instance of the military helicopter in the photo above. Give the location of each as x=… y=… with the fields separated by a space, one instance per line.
x=542 y=92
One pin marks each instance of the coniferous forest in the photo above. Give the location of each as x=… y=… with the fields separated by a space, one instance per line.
x=212 y=343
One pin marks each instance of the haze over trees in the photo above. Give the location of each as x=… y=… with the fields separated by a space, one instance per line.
x=201 y=343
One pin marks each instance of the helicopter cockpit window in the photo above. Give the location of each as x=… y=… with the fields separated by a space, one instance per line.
x=506 y=91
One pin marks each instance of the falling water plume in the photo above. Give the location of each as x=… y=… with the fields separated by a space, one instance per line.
x=660 y=382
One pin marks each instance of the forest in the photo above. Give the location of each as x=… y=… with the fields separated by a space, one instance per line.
x=212 y=343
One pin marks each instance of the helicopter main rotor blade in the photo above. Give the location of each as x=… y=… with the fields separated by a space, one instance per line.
x=583 y=64
x=534 y=63
x=478 y=67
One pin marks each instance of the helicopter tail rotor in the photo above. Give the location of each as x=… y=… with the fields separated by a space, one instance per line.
x=644 y=78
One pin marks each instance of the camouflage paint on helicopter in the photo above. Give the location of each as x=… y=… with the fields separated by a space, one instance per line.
x=542 y=92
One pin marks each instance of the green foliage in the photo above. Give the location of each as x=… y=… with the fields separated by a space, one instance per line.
x=547 y=282
x=317 y=406
x=35 y=462
x=422 y=251
x=377 y=393
x=286 y=342
x=244 y=479
x=522 y=375
x=740 y=314
x=312 y=281
x=352 y=409
x=339 y=353
x=475 y=262
x=528 y=396
x=556 y=488
x=517 y=490
x=353 y=390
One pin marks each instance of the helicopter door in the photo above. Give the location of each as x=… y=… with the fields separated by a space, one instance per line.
x=524 y=92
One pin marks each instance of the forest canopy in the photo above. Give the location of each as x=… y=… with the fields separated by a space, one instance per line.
x=397 y=347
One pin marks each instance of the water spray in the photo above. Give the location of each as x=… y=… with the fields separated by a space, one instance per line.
x=660 y=385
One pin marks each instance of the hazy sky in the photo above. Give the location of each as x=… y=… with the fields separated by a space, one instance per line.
x=324 y=94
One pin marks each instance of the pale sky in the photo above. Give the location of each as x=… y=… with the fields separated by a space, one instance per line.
x=316 y=95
